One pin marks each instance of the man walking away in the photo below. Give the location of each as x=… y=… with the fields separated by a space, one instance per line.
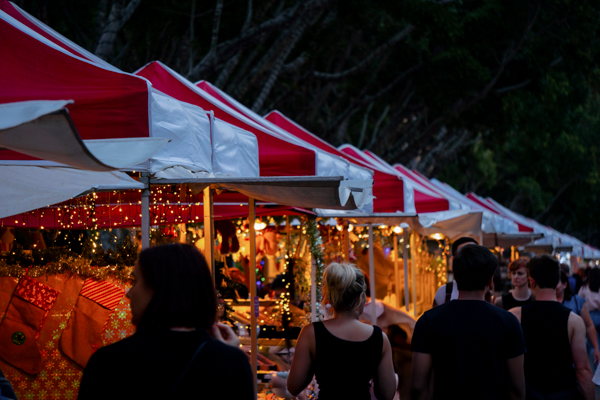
x=470 y=348
x=556 y=362
x=450 y=291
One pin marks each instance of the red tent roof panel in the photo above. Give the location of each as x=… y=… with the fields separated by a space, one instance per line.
x=106 y=105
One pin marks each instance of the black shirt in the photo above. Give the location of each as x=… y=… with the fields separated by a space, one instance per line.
x=509 y=301
x=147 y=365
x=549 y=361
x=469 y=342
x=345 y=368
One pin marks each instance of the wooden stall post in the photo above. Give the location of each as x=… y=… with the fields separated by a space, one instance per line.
x=313 y=290
x=145 y=179
x=397 y=270
x=413 y=271
x=253 y=296
x=405 y=260
x=346 y=242
x=209 y=230
x=372 y=276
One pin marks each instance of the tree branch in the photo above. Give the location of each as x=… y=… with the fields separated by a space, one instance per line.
x=216 y=24
x=248 y=17
x=556 y=196
x=365 y=63
x=229 y=66
x=294 y=65
x=513 y=87
x=375 y=134
x=116 y=19
x=294 y=36
x=228 y=49
x=191 y=56
x=363 y=129
x=367 y=99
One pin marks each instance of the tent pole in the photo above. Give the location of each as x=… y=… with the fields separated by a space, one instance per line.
x=252 y=284
x=405 y=260
x=413 y=239
x=346 y=242
x=287 y=230
x=145 y=179
x=396 y=271
x=372 y=276
x=313 y=289
x=209 y=230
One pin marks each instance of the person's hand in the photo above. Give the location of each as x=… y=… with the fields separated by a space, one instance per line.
x=596 y=357
x=225 y=334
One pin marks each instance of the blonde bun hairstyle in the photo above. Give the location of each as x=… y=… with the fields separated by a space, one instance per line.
x=342 y=286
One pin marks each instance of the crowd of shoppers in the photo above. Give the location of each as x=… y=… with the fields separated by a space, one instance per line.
x=463 y=349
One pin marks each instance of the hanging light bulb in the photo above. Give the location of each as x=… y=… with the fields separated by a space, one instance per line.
x=398 y=229
x=350 y=227
x=259 y=225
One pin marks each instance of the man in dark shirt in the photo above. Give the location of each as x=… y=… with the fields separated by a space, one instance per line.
x=470 y=348
x=556 y=362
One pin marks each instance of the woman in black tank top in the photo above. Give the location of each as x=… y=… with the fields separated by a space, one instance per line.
x=343 y=353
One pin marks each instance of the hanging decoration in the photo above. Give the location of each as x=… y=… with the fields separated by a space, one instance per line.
x=316 y=249
x=93 y=263
x=95 y=304
x=20 y=328
x=226 y=289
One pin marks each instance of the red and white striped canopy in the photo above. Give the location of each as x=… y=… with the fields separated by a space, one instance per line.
x=388 y=189
x=106 y=104
x=277 y=157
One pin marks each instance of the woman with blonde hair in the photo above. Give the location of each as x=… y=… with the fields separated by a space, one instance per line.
x=343 y=353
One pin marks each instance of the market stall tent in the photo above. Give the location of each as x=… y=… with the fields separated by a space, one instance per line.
x=387 y=188
x=436 y=213
x=35 y=73
x=45 y=31
x=388 y=203
x=497 y=229
x=277 y=157
x=327 y=163
x=552 y=239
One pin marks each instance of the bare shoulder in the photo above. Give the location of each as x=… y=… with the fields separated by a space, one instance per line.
x=516 y=311
x=575 y=321
x=308 y=331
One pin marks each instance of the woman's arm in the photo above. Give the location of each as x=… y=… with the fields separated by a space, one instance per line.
x=302 y=372
x=498 y=302
x=385 y=380
x=591 y=332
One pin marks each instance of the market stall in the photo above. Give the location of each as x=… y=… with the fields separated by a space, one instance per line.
x=201 y=172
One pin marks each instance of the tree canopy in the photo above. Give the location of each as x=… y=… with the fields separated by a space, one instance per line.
x=494 y=96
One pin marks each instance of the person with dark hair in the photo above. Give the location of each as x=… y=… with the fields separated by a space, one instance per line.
x=521 y=294
x=556 y=365
x=576 y=304
x=468 y=347
x=590 y=291
x=6 y=389
x=178 y=350
x=449 y=291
